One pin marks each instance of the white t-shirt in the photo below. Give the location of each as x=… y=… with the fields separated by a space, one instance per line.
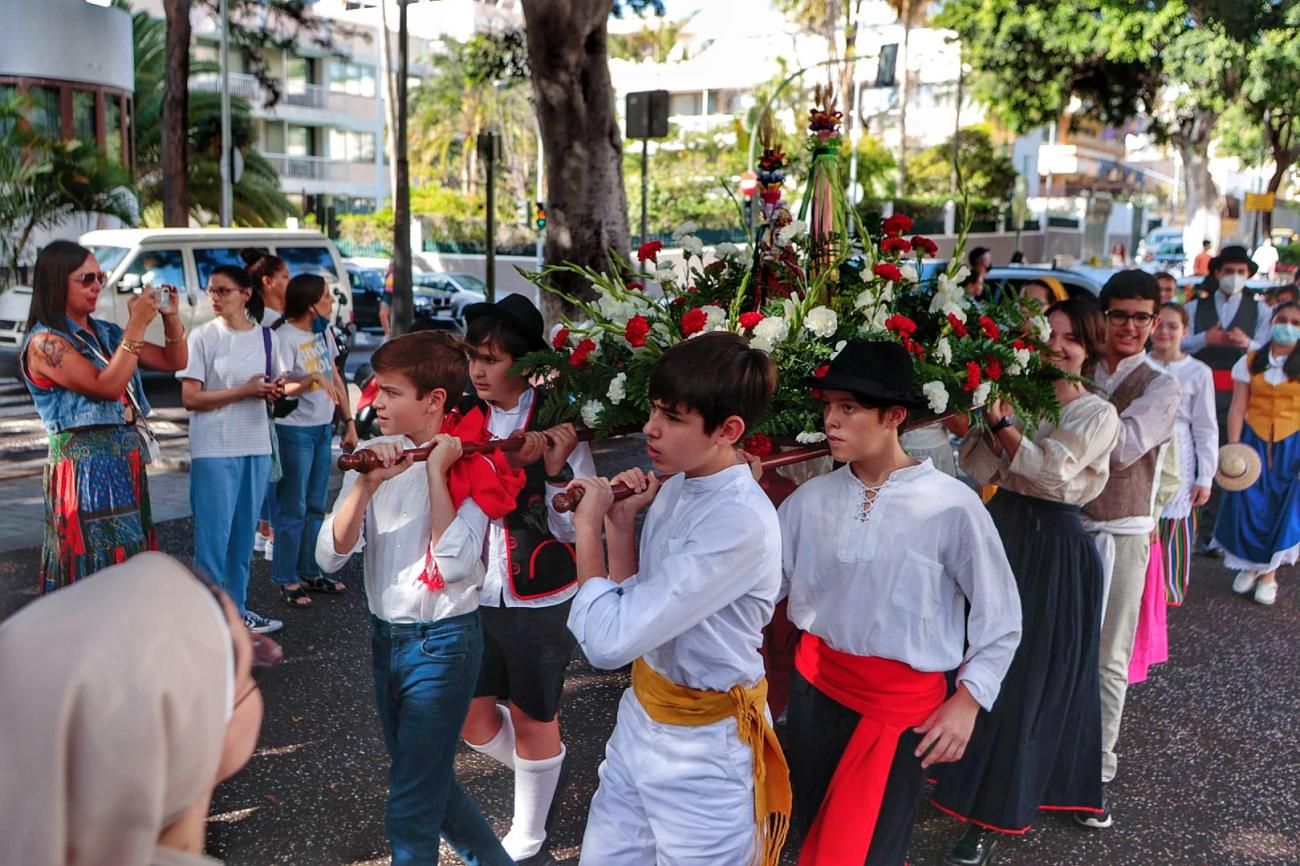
x=222 y=358
x=304 y=352
x=1274 y=373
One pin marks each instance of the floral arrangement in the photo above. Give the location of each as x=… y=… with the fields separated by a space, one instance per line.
x=801 y=312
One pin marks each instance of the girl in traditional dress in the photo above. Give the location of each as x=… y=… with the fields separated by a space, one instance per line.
x=1259 y=527
x=1197 y=435
x=1040 y=745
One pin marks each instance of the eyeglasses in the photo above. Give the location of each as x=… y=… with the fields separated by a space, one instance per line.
x=266 y=655
x=1122 y=318
x=222 y=291
x=91 y=277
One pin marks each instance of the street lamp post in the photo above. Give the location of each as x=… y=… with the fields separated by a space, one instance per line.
x=227 y=190
x=402 y=297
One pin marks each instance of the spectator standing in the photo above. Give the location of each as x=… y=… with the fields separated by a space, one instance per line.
x=83 y=375
x=1168 y=286
x=1259 y=526
x=305 y=433
x=1265 y=257
x=270 y=277
x=124 y=702
x=386 y=300
x=1197 y=435
x=1119 y=255
x=1201 y=264
x=226 y=388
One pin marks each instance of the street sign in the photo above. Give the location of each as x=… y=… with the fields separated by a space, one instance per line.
x=647 y=114
x=1259 y=202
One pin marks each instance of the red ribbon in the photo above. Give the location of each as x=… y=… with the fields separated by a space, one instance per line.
x=486 y=477
x=891 y=697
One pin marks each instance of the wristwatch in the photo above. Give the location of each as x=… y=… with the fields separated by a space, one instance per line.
x=564 y=476
x=1001 y=425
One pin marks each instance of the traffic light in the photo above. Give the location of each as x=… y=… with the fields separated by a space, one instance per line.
x=540 y=221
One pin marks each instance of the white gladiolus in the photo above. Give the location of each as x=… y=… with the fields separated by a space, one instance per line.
x=981 y=395
x=1044 y=327
x=821 y=321
x=691 y=245
x=617 y=389
x=806 y=438
x=943 y=351
x=726 y=250
x=591 y=413
x=866 y=298
x=687 y=228
x=887 y=293
x=937 y=394
x=717 y=318
x=787 y=234
x=839 y=347
x=909 y=272
x=878 y=320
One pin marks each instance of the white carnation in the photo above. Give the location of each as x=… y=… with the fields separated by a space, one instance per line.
x=943 y=351
x=981 y=395
x=591 y=413
x=1022 y=357
x=691 y=245
x=617 y=389
x=821 y=321
x=937 y=394
x=726 y=250
x=665 y=272
x=786 y=234
x=717 y=318
x=1015 y=368
x=1044 y=327
x=771 y=331
x=806 y=438
x=689 y=227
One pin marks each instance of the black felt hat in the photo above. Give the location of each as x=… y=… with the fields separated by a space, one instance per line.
x=518 y=312
x=1234 y=255
x=876 y=370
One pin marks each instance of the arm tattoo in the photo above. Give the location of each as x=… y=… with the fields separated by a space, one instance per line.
x=52 y=351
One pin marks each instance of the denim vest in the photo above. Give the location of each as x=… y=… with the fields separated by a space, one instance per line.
x=61 y=409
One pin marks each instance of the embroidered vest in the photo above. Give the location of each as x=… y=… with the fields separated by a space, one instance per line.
x=1273 y=411
x=1207 y=316
x=1128 y=492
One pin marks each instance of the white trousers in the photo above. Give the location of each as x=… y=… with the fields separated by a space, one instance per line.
x=671 y=795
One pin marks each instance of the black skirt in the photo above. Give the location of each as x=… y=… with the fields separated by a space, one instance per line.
x=1040 y=745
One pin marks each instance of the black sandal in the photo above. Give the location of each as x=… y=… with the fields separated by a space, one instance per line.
x=296 y=597
x=323 y=585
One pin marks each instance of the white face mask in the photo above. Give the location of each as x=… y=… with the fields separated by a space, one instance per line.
x=1232 y=284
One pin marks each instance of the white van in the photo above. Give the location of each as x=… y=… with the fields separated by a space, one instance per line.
x=184 y=258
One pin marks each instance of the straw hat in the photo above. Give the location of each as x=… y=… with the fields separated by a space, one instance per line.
x=1239 y=467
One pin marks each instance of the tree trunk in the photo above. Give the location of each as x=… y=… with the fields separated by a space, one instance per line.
x=1204 y=201
x=586 y=201
x=904 y=94
x=175 y=115
x=390 y=101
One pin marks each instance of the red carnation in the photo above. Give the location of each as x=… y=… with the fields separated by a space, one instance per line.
x=635 y=287
x=958 y=326
x=993 y=367
x=580 y=357
x=897 y=224
x=759 y=445
x=749 y=320
x=989 y=327
x=920 y=243
x=914 y=347
x=820 y=372
x=887 y=271
x=895 y=245
x=561 y=338
x=1020 y=344
x=694 y=321
x=901 y=325
x=972 y=376
x=636 y=330
x=649 y=251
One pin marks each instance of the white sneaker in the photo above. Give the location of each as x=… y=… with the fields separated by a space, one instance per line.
x=1244 y=582
x=1266 y=593
x=259 y=542
x=268 y=553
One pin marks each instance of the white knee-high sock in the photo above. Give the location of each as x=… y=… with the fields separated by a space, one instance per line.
x=500 y=748
x=535 y=783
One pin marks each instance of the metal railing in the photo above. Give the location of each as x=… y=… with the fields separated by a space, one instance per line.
x=295 y=93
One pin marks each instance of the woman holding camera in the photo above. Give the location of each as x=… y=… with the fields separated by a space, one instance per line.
x=83 y=375
x=233 y=373
x=305 y=435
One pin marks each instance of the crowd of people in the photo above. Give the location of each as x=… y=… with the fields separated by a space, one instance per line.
x=985 y=639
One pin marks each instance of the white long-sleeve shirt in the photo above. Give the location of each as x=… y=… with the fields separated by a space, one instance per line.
x=1148 y=422
x=1196 y=412
x=496 y=583
x=895 y=585
x=395 y=538
x=1227 y=308
x=709 y=576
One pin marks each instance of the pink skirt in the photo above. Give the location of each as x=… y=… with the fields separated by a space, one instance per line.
x=1151 y=645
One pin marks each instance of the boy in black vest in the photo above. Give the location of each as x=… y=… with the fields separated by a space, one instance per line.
x=524 y=603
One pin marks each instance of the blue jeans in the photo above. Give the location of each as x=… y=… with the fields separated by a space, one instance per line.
x=225 y=496
x=300 y=501
x=424 y=679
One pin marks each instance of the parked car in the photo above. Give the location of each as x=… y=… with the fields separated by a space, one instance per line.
x=367 y=286
x=459 y=290
x=1076 y=280
x=183 y=258
x=1155 y=239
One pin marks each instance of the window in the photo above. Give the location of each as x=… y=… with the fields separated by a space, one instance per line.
x=300 y=71
x=352 y=146
x=357 y=79
x=83 y=117
x=308 y=260
x=302 y=141
x=273 y=137
x=886 y=69
x=158 y=268
x=45 y=114
x=113 y=129
x=109 y=257
x=208 y=260
x=684 y=104
x=726 y=101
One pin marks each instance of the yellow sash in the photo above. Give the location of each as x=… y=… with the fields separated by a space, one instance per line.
x=671 y=704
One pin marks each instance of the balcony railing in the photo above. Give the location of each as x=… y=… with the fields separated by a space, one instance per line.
x=295 y=93
x=321 y=168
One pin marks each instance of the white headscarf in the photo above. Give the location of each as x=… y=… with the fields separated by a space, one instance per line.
x=115 y=694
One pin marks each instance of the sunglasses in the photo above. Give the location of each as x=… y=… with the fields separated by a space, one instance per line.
x=222 y=291
x=89 y=278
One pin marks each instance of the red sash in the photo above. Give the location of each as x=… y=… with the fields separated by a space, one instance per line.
x=891 y=697
x=1222 y=380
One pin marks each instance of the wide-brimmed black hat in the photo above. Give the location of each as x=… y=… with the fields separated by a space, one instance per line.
x=876 y=370
x=1234 y=255
x=518 y=312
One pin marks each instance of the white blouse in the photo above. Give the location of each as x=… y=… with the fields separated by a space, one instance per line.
x=709 y=577
x=1068 y=462
x=896 y=584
